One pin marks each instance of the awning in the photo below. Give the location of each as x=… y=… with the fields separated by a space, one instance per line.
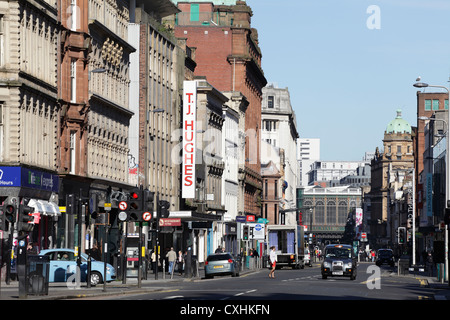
x=45 y=207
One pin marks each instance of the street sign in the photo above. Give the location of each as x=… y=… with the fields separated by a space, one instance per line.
x=146 y=216
x=240 y=218
x=250 y=218
x=169 y=222
x=123 y=205
x=123 y=216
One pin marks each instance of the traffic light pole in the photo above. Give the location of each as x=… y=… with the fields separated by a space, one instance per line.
x=140 y=255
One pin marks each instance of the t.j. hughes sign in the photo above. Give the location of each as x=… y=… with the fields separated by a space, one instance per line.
x=189 y=136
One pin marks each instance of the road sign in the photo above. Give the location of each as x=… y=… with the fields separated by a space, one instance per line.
x=169 y=222
x=146 y=216
x=123 y=216
x=123 y=205
x=107 y=206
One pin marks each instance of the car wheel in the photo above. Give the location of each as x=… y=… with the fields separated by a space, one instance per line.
x=324 y=276
x=96 y=278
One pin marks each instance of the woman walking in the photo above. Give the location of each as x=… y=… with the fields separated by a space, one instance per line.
x=273 y=262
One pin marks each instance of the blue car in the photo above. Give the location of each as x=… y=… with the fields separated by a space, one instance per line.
x=221 y=264
x=63 y=264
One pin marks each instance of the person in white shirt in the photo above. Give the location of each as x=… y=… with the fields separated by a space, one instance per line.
x=273 y=262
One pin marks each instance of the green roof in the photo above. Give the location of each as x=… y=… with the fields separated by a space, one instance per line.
x=398 y=125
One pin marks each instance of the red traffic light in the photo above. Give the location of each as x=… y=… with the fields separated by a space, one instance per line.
x=134 y=195
x=10 y=209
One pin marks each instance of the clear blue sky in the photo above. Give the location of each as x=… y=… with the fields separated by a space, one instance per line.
x=346 y=81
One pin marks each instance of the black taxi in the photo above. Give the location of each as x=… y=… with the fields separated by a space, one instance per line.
x=339 y=261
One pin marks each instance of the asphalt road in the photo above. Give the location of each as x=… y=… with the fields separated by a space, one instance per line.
x=372 y=283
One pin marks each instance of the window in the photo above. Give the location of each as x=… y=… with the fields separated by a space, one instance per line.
x=427 y=105
x=320 y=212
x=331 y=213
x=342 y=212
x=446 y=104
x=276 y=189
x=73 y=81
x=270 y=102
x=435 y=104
x=2 y=41
x=73 y=135
x=75 y=15
x=266 y=189
x=399 y=149
x=195 y=12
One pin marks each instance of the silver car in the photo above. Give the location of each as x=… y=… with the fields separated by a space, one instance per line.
x=221 y=264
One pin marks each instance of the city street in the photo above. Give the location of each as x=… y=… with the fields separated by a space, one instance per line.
x=306 y=284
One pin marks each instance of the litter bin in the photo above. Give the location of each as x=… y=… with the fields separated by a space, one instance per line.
x=403 y=266
x=38 y=274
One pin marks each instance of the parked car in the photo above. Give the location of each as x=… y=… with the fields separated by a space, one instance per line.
x=340 y=261
x=385 y=256
x=63 y=264
x=218 y=264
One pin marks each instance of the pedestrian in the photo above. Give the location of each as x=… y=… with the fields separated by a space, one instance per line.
x=171 y=258
x=153 y=257
x=31 y=249
x=273 y=262
x=430 y=264
x=219 y=250
x=373 y=256
x=95 y=252
x=180 y=262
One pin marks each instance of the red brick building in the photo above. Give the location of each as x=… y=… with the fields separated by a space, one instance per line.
x=73 y=86
x=228 y=54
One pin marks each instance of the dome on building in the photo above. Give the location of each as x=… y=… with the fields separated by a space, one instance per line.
x=398 y=125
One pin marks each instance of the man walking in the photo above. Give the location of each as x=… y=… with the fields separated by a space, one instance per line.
x=171 y=257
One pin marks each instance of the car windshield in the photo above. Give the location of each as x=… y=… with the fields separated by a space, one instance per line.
x=338 y=252
x=385 y=253
x=217 y=257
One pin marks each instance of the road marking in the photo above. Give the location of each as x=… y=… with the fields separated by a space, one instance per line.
x=173 y=297
x=371 y=280
x=246 y=292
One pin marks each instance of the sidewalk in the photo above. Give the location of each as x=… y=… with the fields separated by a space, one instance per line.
x=60 y=291
x=442 y=289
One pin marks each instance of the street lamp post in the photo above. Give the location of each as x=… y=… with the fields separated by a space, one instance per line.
x=447 y=166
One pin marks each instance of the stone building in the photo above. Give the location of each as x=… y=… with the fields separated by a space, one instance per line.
x=279 y=145
x=387 y=168
x=30 y=110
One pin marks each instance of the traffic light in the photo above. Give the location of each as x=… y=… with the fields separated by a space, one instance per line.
x=148 y=200
x=164 y=207
x=135 y=205
x=447 y=216
x=245 y=233
x=10 y=210
x=93 y=206
x=25 y=219
x=401 y=235
x=72 y=204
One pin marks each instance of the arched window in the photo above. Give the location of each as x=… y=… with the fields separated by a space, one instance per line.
x=307 y=213
x=342 y=212
x=331 y=213
x=319 y=213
